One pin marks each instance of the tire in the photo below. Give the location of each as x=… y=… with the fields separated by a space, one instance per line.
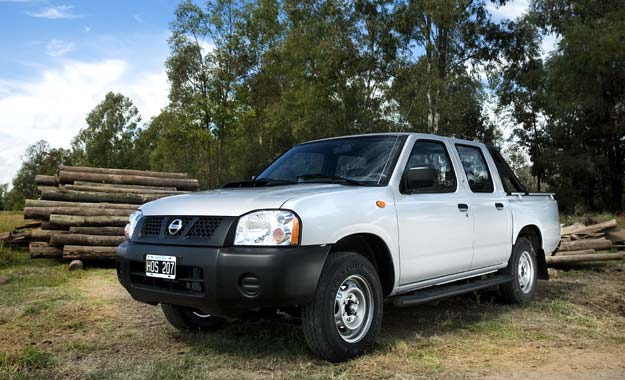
x=188 y=319
x=523 y=267
x=337 y=331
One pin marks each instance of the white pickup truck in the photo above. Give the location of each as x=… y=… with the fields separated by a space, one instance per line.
x=333 y=229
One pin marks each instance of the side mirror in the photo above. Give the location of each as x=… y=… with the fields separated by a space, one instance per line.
x=418 y=177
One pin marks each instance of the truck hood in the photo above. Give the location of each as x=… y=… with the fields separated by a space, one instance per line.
x=238 y=201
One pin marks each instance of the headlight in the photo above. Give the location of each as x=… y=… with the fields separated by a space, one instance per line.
x=271 y=227
x=133 y=219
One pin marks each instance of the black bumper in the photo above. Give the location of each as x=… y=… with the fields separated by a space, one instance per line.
x=224 y=281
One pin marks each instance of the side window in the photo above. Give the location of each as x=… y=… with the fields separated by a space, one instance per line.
x=476 y=169
x=429 y=170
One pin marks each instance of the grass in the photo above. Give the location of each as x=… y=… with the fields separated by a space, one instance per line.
x=56 y=324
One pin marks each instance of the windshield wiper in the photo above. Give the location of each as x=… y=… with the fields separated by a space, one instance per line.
x=332 y=178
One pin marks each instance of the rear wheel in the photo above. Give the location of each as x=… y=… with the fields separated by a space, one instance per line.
x=189 y=319
x=345 y=316
x=524 y=270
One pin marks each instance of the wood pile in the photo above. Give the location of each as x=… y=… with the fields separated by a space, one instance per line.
x=82 y=211
x=583 y=242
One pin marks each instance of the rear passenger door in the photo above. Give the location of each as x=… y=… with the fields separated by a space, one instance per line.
x=435 y=227
x=489 y=207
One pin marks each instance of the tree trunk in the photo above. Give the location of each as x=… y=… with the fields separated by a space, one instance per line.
x=578 y=245
x=78 y=252
x=86 y=240
x=121 y=186
x=44 y=213
x=47 y=180
x=39 y=234
x=551 y=260
x=41 y=249
x=113 y=189
x=83 y=196
x=66 y=177
x=80 y=221
x=44 y=203
x=131 y=172
x=102 y=231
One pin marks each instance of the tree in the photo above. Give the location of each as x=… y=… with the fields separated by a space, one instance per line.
x=453 y=35
x=39 y=158
x=3 y=194
x=108 y=139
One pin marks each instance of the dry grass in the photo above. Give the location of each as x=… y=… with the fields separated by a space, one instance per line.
x=57 y=324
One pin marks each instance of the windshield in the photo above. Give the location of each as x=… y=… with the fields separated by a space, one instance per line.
x=365 y=160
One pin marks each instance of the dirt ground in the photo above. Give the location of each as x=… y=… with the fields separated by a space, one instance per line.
x=56 y=324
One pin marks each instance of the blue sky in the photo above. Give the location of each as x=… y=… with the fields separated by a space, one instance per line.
x=59 y=58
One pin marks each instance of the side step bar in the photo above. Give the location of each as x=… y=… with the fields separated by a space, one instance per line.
x=444 y=291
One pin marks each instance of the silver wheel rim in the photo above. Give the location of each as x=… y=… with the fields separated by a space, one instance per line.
x=525 y=272
x=353 y=308
x=200 y=315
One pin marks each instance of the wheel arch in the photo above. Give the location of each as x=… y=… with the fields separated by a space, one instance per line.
x=375 y=249
x=532 y=232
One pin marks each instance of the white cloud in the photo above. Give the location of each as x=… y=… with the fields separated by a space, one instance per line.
x=549 y=44
x=53 y=107
x=511 y=11
x=59 y=12
x=57 y=48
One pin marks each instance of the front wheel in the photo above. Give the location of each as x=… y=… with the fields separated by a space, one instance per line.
x=188 y=319
x=345 y=316
x=524 y=270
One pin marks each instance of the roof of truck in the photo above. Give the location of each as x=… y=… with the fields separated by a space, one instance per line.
x=421 y=135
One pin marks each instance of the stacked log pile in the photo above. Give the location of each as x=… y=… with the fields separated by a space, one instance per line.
x=82 y=211
x=585 y=242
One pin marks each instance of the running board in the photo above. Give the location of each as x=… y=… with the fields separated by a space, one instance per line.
x=444 y=291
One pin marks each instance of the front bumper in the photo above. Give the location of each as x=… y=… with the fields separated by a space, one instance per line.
x=224 y=281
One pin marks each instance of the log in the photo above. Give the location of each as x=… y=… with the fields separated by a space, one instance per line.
x=573 y=253
x=41 y=189
x=551 y=260
x=76 y=220
x=41 y=249
x=577 y=245
x=78 y=252
x=47 y=180
x=578 y=229
x=80 y=196
x=46 y=225
x=102 y=231
x=132 y=172
x=66 y=177
x=29 y=224
x=5 y=236
x=98 y=184
x=44 y=203
x=44 y=213
x=616 y=236
x=112 y=189
x=86 y=240
x=39 y=234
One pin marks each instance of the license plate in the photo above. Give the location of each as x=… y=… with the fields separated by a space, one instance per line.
x=160 y=266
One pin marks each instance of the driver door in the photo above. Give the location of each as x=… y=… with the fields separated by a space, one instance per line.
x=435 y=223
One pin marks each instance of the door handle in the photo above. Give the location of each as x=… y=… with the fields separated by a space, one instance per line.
x=463 y=207
x=499 y=206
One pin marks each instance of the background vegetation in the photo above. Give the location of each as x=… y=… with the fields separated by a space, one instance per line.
x=251 y=78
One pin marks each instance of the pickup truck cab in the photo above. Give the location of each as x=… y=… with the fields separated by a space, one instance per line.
x=333 y=229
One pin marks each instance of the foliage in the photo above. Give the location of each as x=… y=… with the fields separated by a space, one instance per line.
x=108 y=139
x=3 y=195
x=39 y=158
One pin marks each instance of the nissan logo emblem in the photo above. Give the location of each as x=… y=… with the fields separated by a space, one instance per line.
x=175 y=226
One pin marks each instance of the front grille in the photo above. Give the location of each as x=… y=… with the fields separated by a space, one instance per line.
x=204 y=227
x=152 y=226
x=193 y=227
x=189 y=280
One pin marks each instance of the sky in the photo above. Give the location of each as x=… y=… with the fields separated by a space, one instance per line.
x=59 y=58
